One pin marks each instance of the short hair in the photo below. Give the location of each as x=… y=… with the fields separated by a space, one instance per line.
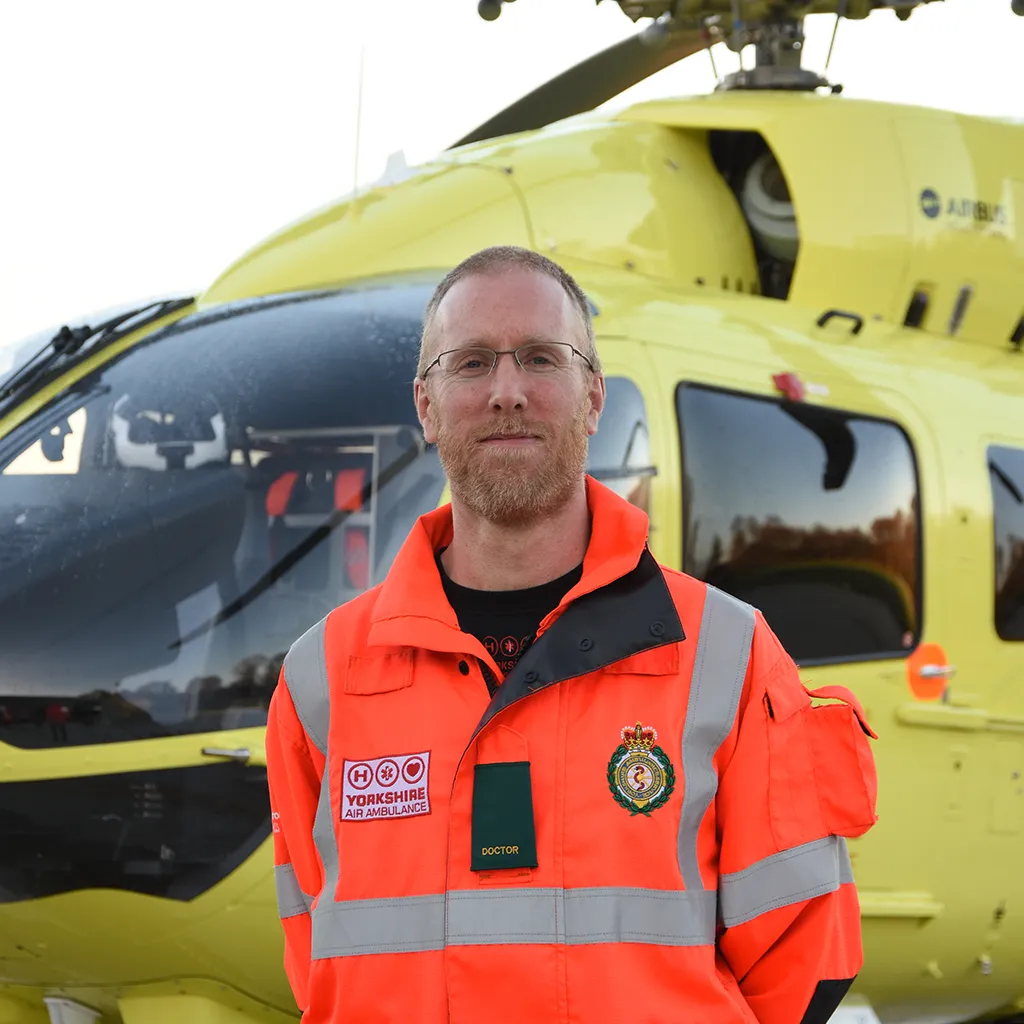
x=493 y=260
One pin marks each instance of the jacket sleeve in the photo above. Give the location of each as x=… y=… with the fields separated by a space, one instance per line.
x=294 y=771
x=799 y=778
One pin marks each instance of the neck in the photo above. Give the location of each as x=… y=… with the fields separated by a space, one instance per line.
x=486 y=556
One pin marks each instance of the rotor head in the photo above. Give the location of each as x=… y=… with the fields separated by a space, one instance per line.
x=773 y=27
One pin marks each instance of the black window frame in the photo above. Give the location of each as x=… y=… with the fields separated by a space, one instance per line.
x=919 y=603
x=1012 y=485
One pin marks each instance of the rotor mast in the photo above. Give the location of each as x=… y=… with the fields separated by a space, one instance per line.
x=778 y=43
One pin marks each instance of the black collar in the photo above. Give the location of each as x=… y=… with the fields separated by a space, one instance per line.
x=633 y=614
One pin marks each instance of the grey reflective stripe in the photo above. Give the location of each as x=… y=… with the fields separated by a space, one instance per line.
x=845 y=867
x=581 y=916
x=291 y=900
x=326 y=842
x=720 y=666
x=305 y=672
x=659 y=917
x=513 y=917
x=663 y=918
x=403 y=924
x=783 y=879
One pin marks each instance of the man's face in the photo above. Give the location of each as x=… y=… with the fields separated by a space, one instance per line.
x=513 y=444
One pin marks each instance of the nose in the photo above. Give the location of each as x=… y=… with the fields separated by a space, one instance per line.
x=507 y=385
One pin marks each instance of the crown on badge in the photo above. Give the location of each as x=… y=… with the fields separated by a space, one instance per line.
x=639 y=737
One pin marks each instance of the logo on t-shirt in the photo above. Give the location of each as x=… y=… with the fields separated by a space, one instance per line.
x=507 y=651
x=386 y=787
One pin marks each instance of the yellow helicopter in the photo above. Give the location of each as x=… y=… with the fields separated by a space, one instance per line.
x=811 y=323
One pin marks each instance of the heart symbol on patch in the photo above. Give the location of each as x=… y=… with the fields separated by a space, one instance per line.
x=412 y=769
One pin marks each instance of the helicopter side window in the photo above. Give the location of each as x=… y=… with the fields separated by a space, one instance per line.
x=1006 y=474
x=620 y=451
x=810 y=514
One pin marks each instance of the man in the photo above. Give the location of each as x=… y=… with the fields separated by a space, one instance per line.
x=533 y=776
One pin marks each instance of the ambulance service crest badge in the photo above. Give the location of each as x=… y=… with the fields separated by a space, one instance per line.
x=640 y=774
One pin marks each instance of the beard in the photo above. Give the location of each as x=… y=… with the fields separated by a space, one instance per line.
x=516 y=486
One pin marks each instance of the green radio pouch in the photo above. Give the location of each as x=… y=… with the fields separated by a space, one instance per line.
x=503 y=831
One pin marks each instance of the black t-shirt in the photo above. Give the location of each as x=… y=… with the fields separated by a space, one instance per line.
x=506 y=621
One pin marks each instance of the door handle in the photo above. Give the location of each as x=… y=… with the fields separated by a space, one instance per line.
x=240 y=754
x=937 y=671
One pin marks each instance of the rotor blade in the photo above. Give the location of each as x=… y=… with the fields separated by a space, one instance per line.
x=590 y=83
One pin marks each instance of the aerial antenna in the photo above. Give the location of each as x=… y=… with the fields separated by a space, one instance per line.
x=840 y=14
x=359 y=124
x=708 y=44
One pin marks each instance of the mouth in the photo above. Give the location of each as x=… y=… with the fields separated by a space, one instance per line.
x=514 y=440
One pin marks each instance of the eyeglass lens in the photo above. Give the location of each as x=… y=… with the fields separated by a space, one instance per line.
x=544 y=357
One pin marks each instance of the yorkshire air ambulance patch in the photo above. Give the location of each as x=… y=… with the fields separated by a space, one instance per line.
x=640 y=774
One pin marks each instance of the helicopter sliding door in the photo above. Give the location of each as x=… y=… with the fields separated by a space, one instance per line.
x=821 y=500
x=168 y=527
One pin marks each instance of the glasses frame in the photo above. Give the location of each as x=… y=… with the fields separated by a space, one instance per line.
x=514 y=352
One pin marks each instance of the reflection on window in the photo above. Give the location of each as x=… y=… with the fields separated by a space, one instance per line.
x=58 y=449
x=1006 y=473
x=809 y=514
x=620 y=451
x=187 y=431
x=224 y=496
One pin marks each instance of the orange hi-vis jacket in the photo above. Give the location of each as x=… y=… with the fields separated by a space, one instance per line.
x=689 y=803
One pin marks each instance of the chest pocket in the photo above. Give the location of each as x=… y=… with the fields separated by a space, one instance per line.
x=497 y=746
x=379 y=673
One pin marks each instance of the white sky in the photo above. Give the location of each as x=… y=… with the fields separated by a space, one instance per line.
x=146 y=145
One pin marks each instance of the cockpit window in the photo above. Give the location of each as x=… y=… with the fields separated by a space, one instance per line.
x=180 y=516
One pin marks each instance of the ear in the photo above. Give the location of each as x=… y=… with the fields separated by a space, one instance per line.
x=596 y=401
x=424 y=410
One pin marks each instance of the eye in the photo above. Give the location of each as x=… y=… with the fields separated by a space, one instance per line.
x=470 y=362
x=541 y=357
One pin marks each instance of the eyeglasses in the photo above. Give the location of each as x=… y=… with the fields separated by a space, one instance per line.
x=536 y=358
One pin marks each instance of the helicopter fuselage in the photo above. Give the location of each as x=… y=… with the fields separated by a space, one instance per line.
x=808 y=313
